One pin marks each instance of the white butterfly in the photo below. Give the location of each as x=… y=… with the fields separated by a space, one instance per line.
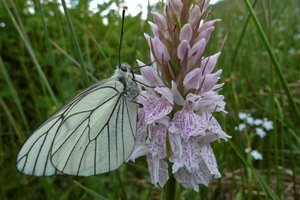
x=93 y=134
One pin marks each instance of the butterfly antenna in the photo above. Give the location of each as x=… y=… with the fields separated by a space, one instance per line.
x=121 y=39
x=141 y=66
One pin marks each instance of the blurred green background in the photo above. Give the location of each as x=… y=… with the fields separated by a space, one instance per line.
x=38 y=55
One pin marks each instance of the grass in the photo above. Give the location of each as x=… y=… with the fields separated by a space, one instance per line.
x=48 y=57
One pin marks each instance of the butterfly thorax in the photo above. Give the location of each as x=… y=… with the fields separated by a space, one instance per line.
x=125 y=75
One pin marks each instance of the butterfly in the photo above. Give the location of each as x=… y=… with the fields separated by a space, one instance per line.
x=93 y=134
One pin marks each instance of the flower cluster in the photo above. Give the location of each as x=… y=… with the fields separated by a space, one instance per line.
x=254 y=127
x=261 y=125
x=180 y=96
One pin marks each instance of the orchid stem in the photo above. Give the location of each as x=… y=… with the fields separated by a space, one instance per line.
x=170 y=189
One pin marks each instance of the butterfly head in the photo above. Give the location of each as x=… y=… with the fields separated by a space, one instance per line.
x=125 y=70
x=125 y=75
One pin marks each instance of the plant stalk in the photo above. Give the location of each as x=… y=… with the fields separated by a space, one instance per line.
x=273 y=59
x=170 y=189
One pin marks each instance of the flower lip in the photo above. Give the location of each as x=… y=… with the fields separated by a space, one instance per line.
x=191 y=101
x=155 y=107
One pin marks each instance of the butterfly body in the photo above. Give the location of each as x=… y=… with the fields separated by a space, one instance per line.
x=93 y=134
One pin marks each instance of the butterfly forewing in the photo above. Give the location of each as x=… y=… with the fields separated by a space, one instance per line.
x=93 y=134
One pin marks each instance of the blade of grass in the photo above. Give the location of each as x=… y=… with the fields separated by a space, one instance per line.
x=91 y=192
x=14 y=94
x=273 y=144
x=40 y=10
x=273 y=106
x=88 y=53
x=31 y=53
x=11 y=119
x=72 y=59
x=48 y=45
x=262 y=183
x=237 y=47
x=273 y=59
x=124 y=196
x=77 y=64
x=48 y=189
x=75 y=41
x=18 y=19
x=98 y=45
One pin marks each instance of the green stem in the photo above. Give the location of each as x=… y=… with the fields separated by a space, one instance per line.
x=248 y=169
x=273 y=59
x=236 y=50
x=260 y=180
x=123 y=192
x=170 y=189
x=75 y=42
x=48 y=44
x=14 y=94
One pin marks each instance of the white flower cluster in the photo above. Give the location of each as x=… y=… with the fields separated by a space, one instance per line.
x=259 y=127
x=262 y=126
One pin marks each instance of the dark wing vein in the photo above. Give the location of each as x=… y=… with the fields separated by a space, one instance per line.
x=116 y=131
x=131 y=128
x=123 y=147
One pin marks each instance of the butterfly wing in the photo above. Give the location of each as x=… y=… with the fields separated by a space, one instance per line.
x=34 y=156
x=91 y=135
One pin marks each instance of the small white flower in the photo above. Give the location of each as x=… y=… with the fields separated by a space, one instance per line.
x=240 y=17
x=256 y=155
x=240 y=127
x=258 y=122
x=250 y=120
x=297 y=37
x=268 y=125
x=247 y=150
x=243 y=115
x=260 y=132
x=282 y=28
x=2 y=24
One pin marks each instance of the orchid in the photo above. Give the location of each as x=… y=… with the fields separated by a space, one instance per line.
x=179 y=98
